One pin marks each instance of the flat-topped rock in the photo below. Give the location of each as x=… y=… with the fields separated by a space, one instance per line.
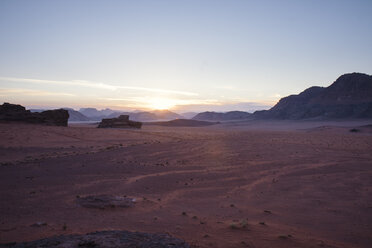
x=120 y=122
x=106 y=239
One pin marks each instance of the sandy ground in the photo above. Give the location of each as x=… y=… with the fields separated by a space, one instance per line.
x=230 y=185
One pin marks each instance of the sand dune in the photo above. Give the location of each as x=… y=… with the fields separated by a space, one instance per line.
x=233 y=185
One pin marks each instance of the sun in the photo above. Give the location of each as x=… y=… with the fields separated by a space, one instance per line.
x=161 y=103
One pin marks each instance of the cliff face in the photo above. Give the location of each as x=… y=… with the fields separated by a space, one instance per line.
x=17 y=113
x=350 y=96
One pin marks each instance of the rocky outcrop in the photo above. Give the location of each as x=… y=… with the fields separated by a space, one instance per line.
x=17 y=113
x=121 y=122
x=107 y=239
x=216 y=116
x=350 y=96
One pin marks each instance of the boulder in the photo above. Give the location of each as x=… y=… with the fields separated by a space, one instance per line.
x=121 y=122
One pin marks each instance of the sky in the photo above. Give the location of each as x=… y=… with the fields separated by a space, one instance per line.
x=186 y=56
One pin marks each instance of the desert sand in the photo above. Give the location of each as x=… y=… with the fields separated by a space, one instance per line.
x=229 y=185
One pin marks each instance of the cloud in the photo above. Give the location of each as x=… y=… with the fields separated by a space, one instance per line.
x=73 y=82
x=173 y=100
x=156 y=102
x=27 y=92
x=185 y=93
x=97 y=85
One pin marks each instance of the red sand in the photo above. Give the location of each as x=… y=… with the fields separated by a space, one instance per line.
x=193 y=183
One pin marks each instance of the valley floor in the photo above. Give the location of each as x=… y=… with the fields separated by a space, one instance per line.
x=215 y=186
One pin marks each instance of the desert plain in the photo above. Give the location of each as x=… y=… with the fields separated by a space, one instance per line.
x=251 y=184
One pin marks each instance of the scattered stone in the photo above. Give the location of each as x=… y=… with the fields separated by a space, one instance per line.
x=285 y=236
x=121 y=122
x=354 y=130
x=105 y=201
x=107 y=239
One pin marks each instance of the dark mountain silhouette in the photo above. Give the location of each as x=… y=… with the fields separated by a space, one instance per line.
x=216 y=116
x=350 y=96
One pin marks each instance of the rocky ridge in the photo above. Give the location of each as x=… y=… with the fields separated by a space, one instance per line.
x=17 y=113
x=350 y=96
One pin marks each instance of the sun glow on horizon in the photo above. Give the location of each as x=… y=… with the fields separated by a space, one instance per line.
x=161 y=103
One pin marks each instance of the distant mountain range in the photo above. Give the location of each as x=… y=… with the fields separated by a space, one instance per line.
x=189 y=115
x=92 y=114
x=350 y=96
x=76 y=115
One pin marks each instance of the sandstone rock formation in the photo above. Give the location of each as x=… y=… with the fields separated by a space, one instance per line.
x=17 y=113
x=121 y=122
x=107 y=239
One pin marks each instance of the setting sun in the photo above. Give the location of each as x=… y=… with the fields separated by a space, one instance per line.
x=161 y=103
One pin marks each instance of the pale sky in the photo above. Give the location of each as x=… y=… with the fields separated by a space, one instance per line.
x=182 y=55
